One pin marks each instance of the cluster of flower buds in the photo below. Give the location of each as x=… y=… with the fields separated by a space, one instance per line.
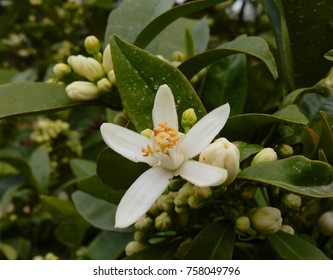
x=87 y=77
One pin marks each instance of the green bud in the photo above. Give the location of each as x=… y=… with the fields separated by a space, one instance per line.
x=325 y=223
x=195 y=203
x=163 y=222
x=287 y=229
x=180 y=209
x=145 y=223
x=134 y=247
x=82 y=91
x=178 y=56
x=182 y=248
x=141 y=236
x=248 y=192
x=51 y=256
x=224 y=154
x=92 y=45
x=189 y=118
x=266 y=154
x=165 y=202
x=285 y=151
x=266 y=220
x=183 y=194
x=292 y=201
x=61 y=70
x=242 y=224
x=202 y=193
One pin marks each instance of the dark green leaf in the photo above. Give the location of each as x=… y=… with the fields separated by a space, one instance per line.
x=107 y=245
x=244 y=127
x=214 y=242
x=254 y=46
x=146 y=73
x=116 y=171
x=159 y=23
x=226 y=81
x=132 y=16
x=295 y=174
x=29 y=97
x=246 y=150
x=312 y=104
x=326 y=139
x=98 y=212
x=291 y=247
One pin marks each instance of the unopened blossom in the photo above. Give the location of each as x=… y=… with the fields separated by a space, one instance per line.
x=167 y=151
x=325 y=223
x=266 y=220
x=82 y=91
x=107 y=60
x=266 y=154
x=86 y=67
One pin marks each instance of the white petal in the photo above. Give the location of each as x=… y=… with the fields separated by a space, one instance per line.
x=204 y=131
x=141 y=196
x=125 y=142
x=202 y=174
x=164 y=108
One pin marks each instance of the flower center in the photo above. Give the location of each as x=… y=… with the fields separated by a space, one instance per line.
x=164 y=138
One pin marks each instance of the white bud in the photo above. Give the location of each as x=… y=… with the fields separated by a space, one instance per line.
x=104 y=85
x=224 y=154
x=266 y=154
x=86 y=67
x=145 y=223
x=325 y=223
x=82 y=91
x=61 y=70
x=292 y=201
x=287 y=229
x=107 y=60
x=134 y=247
x=266 y=220
x=92 y=45
x=242 y=224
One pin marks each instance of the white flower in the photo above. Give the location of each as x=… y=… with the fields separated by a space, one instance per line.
x=167 y=151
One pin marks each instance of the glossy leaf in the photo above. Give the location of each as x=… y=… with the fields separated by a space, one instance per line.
x=214 y=242
x=292 y=247
x=98 y=212
x=159 y=23
x=312 y=104
x=116 y=171
x=127 y=22
x=107 y=245
x=254 y=46
x=329 y=55
x=296 y=174
x=96 y=188
x=244 y=127
x=29 y=97
x=326 y=139
x=309 y=39
x=226 y=81
x=146 y=73
x=246 y=149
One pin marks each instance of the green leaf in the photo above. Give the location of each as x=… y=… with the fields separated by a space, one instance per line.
x=116 y=171
x=326 y=138
x=132 y=16
x=309 y=39
x=146 y=73
x=296 y=174
x=98 y=212
x=107 y=245
x=292 y=247
x=6 y=75
x=29 y=97
x=214 y=242
x=329 y=55
x=83 y=168
x=226 y=81
x=40 y=168
x=8 y=251
x=244 y=127
x=254 y=46
x=96 y=188
x=312 y=104
x=159 y=23
x=246 y=150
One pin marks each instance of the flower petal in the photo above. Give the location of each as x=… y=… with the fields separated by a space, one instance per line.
x=141 y=196
x=204 y=131
x=125 y=142
x=202 y=174
x=164 y=108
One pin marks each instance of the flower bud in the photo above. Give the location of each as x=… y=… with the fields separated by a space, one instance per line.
x=112 y=77
x=224 y=154
x=292 y=201
x=163 y=222
x=92 y=45
x=195 y=203
x=165 y=202
x=145 y=223
x=107 y=60
x=325 y=223
x=178 y=56
x=86 y=67
x=189 y=118
x=51 y=256
x=183 y=194
x=287 y=229
x=141 y=236
x=266 y=154
x=285 y=151
x=82 y=91
x=266 y=220
x=61 y=70
x=242 y=224
x=134 y=247
x=104 y=85
x=202 y=193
